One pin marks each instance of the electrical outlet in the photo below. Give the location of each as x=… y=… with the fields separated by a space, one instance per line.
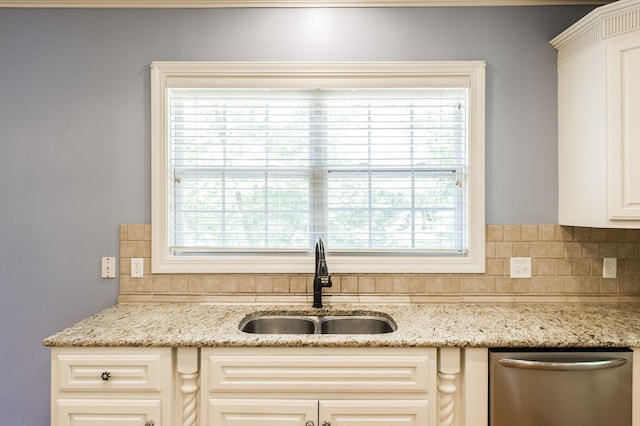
x=137 y=267
x=609 y=267
x=520 y=267
x=108 y=269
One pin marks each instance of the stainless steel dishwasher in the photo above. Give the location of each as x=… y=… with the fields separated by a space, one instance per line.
x=560 y=388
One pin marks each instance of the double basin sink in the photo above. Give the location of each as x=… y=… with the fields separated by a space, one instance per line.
x=370 y=323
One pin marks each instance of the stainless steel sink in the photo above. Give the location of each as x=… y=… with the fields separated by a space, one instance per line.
x=317 y=324
x=356 y=325
x=279 y=325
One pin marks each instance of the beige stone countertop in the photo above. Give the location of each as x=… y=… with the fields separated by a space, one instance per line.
x=419 y=325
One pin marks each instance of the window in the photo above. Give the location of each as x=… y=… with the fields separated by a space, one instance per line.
x=252 y=162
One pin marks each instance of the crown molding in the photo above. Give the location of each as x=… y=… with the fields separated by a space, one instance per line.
x=607 y=21
x=281 y=3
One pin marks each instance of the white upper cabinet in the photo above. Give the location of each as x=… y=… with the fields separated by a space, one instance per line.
x=599 y=118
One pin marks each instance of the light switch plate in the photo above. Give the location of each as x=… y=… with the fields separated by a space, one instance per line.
x=108 y=267
x=520 y=267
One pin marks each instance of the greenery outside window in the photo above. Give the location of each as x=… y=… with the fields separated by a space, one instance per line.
x=252 y=162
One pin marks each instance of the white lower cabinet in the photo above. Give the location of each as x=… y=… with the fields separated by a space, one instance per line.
x=122 y=386
x=320 y=386
x=111 y=386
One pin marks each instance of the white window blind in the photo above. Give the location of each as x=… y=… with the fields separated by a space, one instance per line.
x=251 y=162
x=370 y=171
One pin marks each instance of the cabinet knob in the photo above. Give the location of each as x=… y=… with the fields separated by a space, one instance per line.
x=149 y=423
x=106 y=376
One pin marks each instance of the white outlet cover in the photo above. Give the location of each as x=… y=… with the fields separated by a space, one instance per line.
x=137 y=267
x=520 y=267
x=609 y=267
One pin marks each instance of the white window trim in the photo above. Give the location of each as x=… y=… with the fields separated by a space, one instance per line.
x=289 y=74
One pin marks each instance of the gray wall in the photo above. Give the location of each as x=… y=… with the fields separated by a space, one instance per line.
x=74 y=135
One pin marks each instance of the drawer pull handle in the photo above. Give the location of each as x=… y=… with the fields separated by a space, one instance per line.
x=150 y=423
x=106 y=376
x=309 y=423
x=326 y=424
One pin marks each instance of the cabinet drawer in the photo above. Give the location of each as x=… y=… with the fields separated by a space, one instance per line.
x=108 y=371
x=330 y=373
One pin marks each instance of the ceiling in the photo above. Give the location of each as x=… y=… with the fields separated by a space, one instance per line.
x=282 y=3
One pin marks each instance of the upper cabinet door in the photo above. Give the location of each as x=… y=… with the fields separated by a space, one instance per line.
x=623 y=109
x=599 y=118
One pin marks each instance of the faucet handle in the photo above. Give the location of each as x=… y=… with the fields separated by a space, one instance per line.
x=325 y=281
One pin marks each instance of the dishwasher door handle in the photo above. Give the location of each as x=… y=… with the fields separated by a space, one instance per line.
x=562 y=366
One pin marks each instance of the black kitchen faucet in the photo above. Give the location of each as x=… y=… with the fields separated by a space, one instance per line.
x=322 y=277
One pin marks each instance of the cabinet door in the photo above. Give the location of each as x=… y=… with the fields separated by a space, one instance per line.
x=262 y=412
x=623 y=59
x=367 y=413
x=92 y=412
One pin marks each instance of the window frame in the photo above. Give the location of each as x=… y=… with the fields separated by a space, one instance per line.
x=165 y=74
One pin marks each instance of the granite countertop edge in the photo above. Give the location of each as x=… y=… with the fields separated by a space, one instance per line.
x=491 y=325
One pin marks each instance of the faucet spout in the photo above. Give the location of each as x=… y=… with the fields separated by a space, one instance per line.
x=322 y=277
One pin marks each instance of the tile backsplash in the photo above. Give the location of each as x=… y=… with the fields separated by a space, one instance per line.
x=566 y=265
